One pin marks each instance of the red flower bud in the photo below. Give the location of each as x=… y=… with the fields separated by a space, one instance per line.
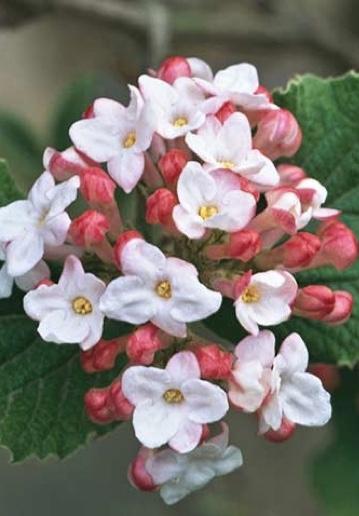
x=102 y=357
x=314 y=302
x=143 y=344
x=171 y=165
x=300 y=250
x=65 y=164
x=108 y=404
x=172 y=68
x=278 y=134
x=97 y=186
x=121 y=408
x=328 y=374
x=339 y=245
x=285 y=431
x=226 y=111
x=89 y=229
x=122 y=241
x=290 y=174
x=244 y=245
x=138 y=475
x=159 y=208
x=343 y=307
x=215 y=364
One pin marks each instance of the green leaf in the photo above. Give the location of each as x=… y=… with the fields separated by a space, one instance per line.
x=335 y=471
x=8 y=190
x=328 y=112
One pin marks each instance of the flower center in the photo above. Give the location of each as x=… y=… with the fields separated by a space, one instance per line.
x=251 y=294
x=173 y=396
x=81 y=306
x=180 y=121
x=206 y=212
x=226 y=164
x=164 y=289
x=130 y=140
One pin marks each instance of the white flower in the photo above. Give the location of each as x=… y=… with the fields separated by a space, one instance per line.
x=181 y=474
x=237 y=83
x=294 y=394
x=172 y=404
x=118 y=136
x=229 y=145
x=313 y=194
x=211 y=200
x=177 y=107
x=200 y=68
x=68 y=311
x=26 y=282
x=266 y=300
x=251 y=374
x=165 y=291
x=27 y=226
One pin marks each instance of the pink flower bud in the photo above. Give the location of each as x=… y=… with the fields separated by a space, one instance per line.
x=65 y=164
x=343 y=307
x=290 y=174
x=159 y=208
x=123 y=240
x=172 y=68
x=121 y=408
x=172 y=164
x=244 y=245
x=215 y=364
x=314 y=302
x=328 y=374
x=300 y=250
x=226 y=111
x=89 y=229
x=144 y=342
x=278 y=134
x=339 y=245
x=285 y=431
x=97 y=186
x=102 y=357
x=138 y=475
x=96 y=406
x=255 y=115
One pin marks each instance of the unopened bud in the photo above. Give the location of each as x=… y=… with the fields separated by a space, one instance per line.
x=285 y=431
x=172 y=68
x=214 y=362
x=314 y=302
x=290 y=174
x=144 y=342
x=339 y=245
x=138 y=475
x=159 y=208
x=102 y=357
x=65 y=164
x=300 y=250
x=89 y=229
x=244 y=245
x=343 y=307
x=97 y=186
x=171 y=165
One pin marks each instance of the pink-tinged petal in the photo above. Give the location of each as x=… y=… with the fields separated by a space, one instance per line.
x=280 y=284
x=261 y=348
x=271 y=413
x=205 y=402
x=236 y=134
x=200 y=68
x=163 y=466
x=45 y=299
x=60 y=326
x=188 y=223
x=23 y=253
x=6 y=283
x=32 y=278
x=183 y=366
x=237 y=209
x=96 y=138
x=252 y=101
x=71 y=273
x=325 y=213
x=305 y=401
x=126 y=168
x=128 y=299
x=15 y=220
x=174 y=265
x=164 y=320
x=145 y=260
x=187 y=437
x=248 y=391
x=140 y=384
x=199 y=145
x=161 y=94
x=241 y=78
x=295 y=354
x=156 y=423
x=109 y=109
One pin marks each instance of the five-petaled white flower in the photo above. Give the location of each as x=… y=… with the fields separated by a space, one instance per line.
x=118 y=136
x=265 y=299
x=27 y=226
x=211 y=200
x=177 y=107
x=165 y=291
x=68 y=311
x=178 y=475
x=172 y=404
x=294 y=394
x=229 y=145
x=237 y=83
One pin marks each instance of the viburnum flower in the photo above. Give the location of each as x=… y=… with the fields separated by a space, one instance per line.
x=165 y=291
x=178 y=475
x=313 y=194
x=172 y=404
x=211 y=200
x=68 y=312
x=294 y=394
x=177 y=107
x=118 y=136
x=264 y=299
x=229 y=145
x=27 y=226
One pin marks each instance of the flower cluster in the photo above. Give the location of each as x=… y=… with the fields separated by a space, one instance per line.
x=222 y=220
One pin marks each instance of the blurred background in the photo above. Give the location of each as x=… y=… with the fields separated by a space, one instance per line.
x=55 y=57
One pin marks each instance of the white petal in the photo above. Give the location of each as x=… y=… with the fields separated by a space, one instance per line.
x=187 y=437
x=248 y=390
x=272 y=413
x=295 y=354
x=45 y=299
x=166 y=322
x=200 y=68
x=63 y=326
x=140 y=384
x=55 y=231
x=164 y=465
x=95 y=324
x=182 y=367
x=157 y=91
x=6 y=282
x=23 y=253
x=39 y=193
x=231 y=459
x=195 y=187
x=261 y=348
x=236 y=134
x=96 y=138
x=126 y=168
x=244 y=314
x=145 y=260
x=237 y=210
x=15 y=220
x=109 y=109
x=63 y=195
x=206 y=402
x=188 y=223
x=237 y=78
x=32 y=278
x=198 y=144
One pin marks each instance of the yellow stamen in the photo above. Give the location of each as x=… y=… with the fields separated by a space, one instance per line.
x=206 y=212
x=130 y=140
x=173 y=396
x=81 y=306
x=180 y=121
x=227 y=164
x=164 y=289
x=251 y=295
